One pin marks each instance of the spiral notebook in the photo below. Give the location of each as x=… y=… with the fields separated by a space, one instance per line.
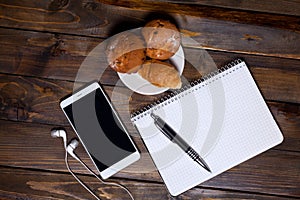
x=222 y=116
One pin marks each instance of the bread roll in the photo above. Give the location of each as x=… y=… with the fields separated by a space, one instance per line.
x=162 y=39
x=160 y=74
x=126 y=52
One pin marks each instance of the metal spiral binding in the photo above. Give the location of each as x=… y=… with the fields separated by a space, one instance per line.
x=179 y=93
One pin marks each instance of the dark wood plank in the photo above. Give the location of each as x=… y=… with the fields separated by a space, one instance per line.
x=45 y=185
x=32 y=102
x=287 y=117
x=218 y=29
x=37 y=100
x=48 y=55
x=14 y=135
x=44 y=96
x=287 y=7
x=29 y=145
x=249 y=175
x=60 y=57
x=208 y=12
x=21 y=184
x=43 y=54
x=274 y=86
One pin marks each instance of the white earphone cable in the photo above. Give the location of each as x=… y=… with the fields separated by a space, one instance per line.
x=71 y=147
x=79 y=181
x=104 y=182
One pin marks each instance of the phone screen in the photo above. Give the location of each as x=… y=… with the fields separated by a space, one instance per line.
x=99 y=129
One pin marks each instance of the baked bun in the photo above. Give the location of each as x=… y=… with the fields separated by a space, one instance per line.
x=160 y=74
x=125 y=52
x=162 y=39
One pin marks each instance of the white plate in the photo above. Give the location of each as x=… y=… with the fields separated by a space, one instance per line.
x=139 y=85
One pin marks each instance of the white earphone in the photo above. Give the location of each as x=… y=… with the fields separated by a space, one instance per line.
x=69 y=149
x=55 y=133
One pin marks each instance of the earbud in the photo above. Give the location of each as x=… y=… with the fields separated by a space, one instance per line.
x=71 y=147
x=70 y=150
x=59 y=133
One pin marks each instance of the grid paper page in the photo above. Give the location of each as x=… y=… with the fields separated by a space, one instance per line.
x=224 y=118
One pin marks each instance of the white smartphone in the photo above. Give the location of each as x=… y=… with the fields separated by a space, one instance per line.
x=100 y=130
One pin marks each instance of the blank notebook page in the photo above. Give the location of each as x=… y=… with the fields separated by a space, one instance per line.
x=224 y=118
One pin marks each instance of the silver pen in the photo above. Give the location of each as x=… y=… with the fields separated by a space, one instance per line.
x=174 y=137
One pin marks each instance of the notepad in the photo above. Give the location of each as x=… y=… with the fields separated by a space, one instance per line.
x=222 y=116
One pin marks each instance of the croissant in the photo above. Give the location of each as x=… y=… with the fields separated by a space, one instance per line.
x=160 y=74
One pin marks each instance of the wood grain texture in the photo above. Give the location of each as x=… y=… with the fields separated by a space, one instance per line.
x=288 y=7
x=37 y=100
x=61 y=57
x=272 y=83
x=30 y=145
x=219 y=29
x=26 y=144
x=43 y=95
x=209 y=12
x=287 y=117
x=46 y=55
x=43 y=44
x=14 y=136
x=27 y=184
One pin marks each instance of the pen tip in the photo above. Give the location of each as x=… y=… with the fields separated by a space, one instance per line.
x=208 y=169
x=203 y=164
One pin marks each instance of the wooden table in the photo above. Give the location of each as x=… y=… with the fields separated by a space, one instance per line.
x=43 y=44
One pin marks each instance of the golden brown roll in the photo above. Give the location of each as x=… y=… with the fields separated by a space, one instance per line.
x=162 y=39
x=126 y=52
x=160 y=74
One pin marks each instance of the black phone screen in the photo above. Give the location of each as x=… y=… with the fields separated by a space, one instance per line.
x=99 y=129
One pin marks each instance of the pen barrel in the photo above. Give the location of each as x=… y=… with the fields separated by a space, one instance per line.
x=181 y=143
x=171 y=134
x=174 y=137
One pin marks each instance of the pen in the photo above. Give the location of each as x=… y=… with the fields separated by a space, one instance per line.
x=174 y=137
